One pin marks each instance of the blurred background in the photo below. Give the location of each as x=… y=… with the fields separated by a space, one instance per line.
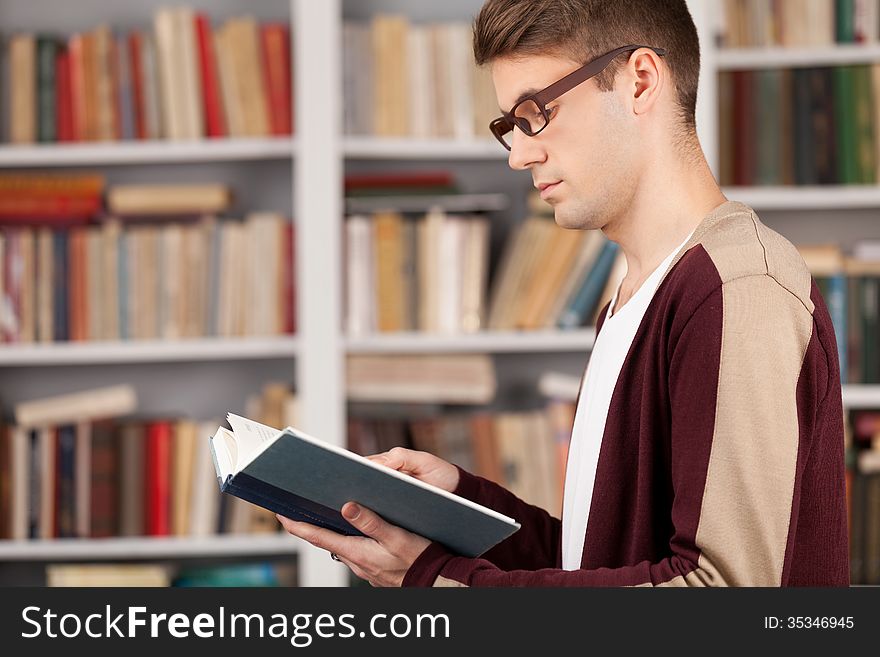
x=295 y=212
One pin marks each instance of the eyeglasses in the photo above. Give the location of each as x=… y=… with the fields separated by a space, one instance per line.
x=530 y=114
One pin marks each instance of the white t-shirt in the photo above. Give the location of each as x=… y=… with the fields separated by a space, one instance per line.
x=606 y=360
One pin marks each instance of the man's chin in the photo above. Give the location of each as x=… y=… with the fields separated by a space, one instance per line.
x=564 y=219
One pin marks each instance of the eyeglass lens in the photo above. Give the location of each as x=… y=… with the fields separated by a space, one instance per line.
x=529 y=118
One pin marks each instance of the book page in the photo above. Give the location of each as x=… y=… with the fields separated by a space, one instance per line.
x=251 y=438
x=224 y=452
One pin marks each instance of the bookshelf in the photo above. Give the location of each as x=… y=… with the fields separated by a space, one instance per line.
x=755 y=58
x=303 y=177
x=148 y=548
x=148 y=351
x=372 y=148
x=204 y=377
x=831 y=197
x=485 y=342
x=146 y=152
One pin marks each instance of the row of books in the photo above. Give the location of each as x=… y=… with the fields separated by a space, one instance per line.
x=524 y=451
x=762 y=23
x=183 y=79
x=121 y=281
x=850 y=286
x=863 y=495
x=64 y=200
x=552 y=277
x=802 y=126
x=68 y=470
x=414 y=80
x=260 y=573
x=430 y=273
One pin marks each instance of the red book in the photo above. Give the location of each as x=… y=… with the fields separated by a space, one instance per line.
x=744 y=127
x=288 y=281
x=865 y=425
x=114 y=83
x=275 y=46
x=418 y=179
x=157 y=478
x=137 y=84
x=215 y=124
x=62 y=206
x=47 y=185
x=63 y=100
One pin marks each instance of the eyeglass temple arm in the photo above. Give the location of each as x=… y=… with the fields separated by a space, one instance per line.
x=585 y=72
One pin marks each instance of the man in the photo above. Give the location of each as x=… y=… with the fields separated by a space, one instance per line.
x=707 y=447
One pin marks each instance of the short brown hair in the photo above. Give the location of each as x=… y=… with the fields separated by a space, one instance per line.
x=584 y=29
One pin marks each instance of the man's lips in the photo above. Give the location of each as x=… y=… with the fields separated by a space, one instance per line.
x=547 y=188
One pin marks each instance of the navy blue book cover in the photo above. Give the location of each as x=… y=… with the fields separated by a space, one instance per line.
x=306 y=479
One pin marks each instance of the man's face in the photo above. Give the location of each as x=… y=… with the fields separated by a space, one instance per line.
x=588 y=149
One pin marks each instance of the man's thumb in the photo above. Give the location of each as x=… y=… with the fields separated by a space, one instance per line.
x=366 y=521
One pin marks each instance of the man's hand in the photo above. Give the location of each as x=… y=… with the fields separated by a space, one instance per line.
x=382 y=556
x=421 y=465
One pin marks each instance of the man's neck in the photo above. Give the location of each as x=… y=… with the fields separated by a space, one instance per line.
x=666 y=210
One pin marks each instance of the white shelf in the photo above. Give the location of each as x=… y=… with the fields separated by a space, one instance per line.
x=837 y=55
x=861 y=396
x=146 y=351
x=826 y=197
x=449 y=202
x=148 y=548
x=375 y=148
x=486 y=342
x=146 y=152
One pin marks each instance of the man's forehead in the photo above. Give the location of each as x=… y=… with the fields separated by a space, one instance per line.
x=518 y=77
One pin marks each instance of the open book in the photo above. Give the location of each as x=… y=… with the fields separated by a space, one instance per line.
x=306 y=479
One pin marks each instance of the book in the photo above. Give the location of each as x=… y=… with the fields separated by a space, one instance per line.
x=93 y=403
x=306 y=479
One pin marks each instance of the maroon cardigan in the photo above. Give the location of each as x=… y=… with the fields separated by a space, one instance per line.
x=722 y=458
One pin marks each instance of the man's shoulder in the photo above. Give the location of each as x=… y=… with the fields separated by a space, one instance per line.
x=732 y=246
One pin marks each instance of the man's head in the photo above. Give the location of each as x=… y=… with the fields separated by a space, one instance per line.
x=601 y=132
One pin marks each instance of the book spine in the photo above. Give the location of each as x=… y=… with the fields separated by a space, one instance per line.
x=582 y=304
x=275 y=42
x=804 y=148
x=837 y=309
x=64 y=115
x=157 y=509
x=844 y=126
x=46 y=85
x=213 y=105
x=65 y=504
x=105 y=484
x=136 y=71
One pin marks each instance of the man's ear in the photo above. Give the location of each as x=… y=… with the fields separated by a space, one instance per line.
x=648 y=75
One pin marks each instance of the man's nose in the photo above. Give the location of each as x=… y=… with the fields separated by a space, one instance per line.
x=524 y=150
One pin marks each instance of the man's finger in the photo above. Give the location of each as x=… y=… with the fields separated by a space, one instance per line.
x=317 y=536
x=369 y=523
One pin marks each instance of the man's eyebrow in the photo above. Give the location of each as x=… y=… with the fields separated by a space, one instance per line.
x=525 y=94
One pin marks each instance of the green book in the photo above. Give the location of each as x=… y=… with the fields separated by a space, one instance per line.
x=47 y=103
x=769 y=127
x=866 y=162
x=845 y=125
x=844 y=15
